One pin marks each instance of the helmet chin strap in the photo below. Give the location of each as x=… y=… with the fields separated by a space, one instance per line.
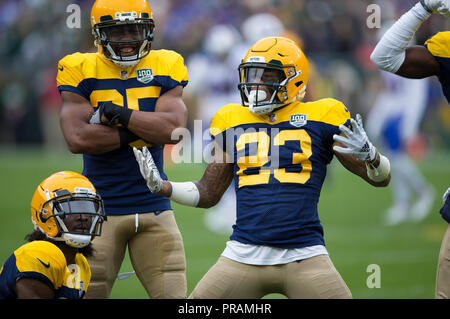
x=76 y=241
x=72 y=240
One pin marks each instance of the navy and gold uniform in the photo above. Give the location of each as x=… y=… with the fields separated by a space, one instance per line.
x=116 y=174
x=44 y=261
x=280 y=163
x=439 y=47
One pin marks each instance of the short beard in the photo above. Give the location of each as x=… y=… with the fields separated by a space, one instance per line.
x=86 y=251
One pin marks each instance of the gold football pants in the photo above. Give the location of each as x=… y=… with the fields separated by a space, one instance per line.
x=443 y=270
x=315 y=277
x=156 y=251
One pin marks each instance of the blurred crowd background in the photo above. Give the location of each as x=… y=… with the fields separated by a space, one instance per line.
x=34 y=35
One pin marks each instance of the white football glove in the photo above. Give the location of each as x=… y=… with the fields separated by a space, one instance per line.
x=96 y=117
x=438 y=6
x=446 y=194
x=356 y=140
x=148 y=169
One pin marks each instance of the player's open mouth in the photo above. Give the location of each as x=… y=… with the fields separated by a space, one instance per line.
x=127 y=51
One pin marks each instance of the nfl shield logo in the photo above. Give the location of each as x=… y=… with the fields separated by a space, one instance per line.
x=124 y=75
x=144 y=75
x=298 y=120
x=272 y=117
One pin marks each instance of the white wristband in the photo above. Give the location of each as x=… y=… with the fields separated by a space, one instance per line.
x=380 y=173
x=185 y=193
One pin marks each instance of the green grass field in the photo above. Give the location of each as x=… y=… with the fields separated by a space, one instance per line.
x=351 y=212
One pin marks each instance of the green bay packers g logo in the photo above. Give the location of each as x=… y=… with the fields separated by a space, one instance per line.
x=298 y=120
x=144 y=75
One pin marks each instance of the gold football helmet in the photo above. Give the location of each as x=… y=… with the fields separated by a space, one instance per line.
x=274 y=73
x=68 y=195
x=123 y=30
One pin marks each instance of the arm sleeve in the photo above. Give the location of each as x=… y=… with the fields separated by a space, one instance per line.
x=337 y=114
x=439 y=44
x=70 y=77
x=218 y=131
x=389 y=53
x=439 y=47
x=42 y=262
x=177 y=73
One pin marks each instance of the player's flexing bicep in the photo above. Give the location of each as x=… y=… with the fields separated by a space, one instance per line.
x=419 y=63
x=82 y=137
x=358 y=167
x=157 y=127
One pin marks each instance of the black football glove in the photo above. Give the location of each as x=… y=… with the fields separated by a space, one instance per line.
x=114 y=113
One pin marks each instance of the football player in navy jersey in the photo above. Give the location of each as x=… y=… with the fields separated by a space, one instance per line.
x=121 y=96
x=276 y=148
x=433 y=59
x=67 y=214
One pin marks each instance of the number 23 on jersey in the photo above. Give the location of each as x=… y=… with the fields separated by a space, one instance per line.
x=260 y=157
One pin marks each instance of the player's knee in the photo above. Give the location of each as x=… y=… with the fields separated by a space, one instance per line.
x=169 y=285
x=97 y=290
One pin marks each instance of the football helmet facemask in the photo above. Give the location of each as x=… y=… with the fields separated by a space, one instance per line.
x=66 y=207
x=273 y=74
x=123 y=30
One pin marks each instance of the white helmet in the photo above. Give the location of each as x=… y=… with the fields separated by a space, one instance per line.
x=220 y=39
x=261 y=25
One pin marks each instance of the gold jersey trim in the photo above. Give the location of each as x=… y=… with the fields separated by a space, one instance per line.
x=328 y=111
x=439 y=44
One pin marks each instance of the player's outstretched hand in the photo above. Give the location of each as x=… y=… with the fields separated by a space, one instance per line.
x=441 y=7
x=356 y=141
x=148 y=169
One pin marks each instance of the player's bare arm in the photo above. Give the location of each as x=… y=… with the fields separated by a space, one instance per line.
x=82 y=137
x=357 y=154
x=213 y=184
x=419 y=63
x=157 y=127
x=204 y=193
x=211 y=187
x=30 y=288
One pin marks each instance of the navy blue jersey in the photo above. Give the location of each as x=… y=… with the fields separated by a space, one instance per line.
x=439 y=47
x=116 y=174
x=44 y=261
x=280 y=163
